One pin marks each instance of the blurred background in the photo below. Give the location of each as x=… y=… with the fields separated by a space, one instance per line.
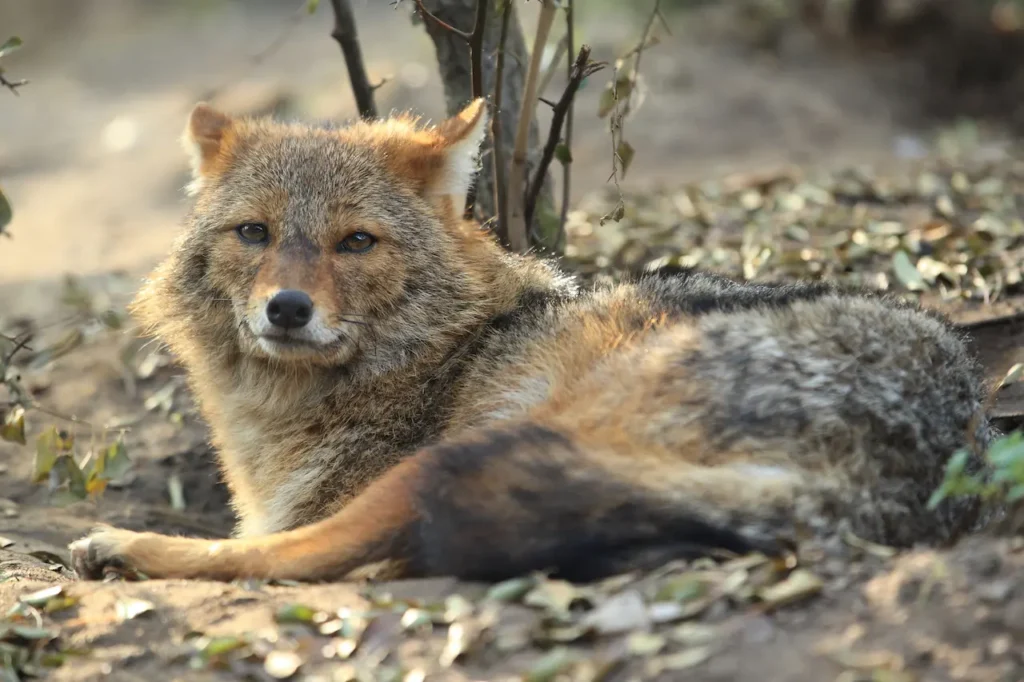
x=89 y=153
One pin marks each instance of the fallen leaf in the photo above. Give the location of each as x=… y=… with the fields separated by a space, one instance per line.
x=282 y=664
x=683 y=660
x=621 y=613
x=13 y=428
x=40 y=597
x=127 y=609
x=800 y=584
x=907 y=273
x=550 y=665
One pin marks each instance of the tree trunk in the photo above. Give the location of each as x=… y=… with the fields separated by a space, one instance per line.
x=453 y=59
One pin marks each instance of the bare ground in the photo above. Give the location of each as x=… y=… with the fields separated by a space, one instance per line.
x=91 y=164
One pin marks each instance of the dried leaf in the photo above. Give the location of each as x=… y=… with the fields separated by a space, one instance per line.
x=5 y=542
x=1015 y=374
x=13 y=429
x=645 y=643
x=621 y=613
x=554 y=596
x=800 y=584
x=684 y=660
x=282 y=664
x=47 y=449
x=511 y=590
x=127 y=609
x=870 y=547
x=6 y=213
x=549 y=666
x=176 y=492
x=40 y=597
x=625 y=153
x=907 y=272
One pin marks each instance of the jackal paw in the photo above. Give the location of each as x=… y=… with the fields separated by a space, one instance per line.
x=105 y=552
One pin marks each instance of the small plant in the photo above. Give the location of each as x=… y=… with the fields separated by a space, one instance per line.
x=1005 y=456
x=68 y=477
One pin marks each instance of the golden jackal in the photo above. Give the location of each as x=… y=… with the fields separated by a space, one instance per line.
x=388 y=386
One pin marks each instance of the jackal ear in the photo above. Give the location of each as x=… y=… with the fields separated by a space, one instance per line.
x=204 y=140
x=461 y=137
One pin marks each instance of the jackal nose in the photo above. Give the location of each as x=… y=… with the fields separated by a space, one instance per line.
x=290 y=309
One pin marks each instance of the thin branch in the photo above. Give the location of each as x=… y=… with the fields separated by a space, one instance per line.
x=618 y=116
x=570 y=42
x=476 y=61
x=582 y=68
x=12 y=85
x=518 y=227
x=428 y=16
x=498 y=153
x=476 y=48
x=348 y=39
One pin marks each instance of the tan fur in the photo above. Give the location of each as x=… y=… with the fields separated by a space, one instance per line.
x=453 y=408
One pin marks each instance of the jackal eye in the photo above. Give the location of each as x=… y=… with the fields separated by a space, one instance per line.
x=253 y=233
x=357 y=242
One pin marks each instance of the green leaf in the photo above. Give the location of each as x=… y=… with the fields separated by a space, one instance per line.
x=6 y=212
x=625 y=152
x=298 y=613
x=936 y=498
x=46 y=454
x=616 y=91
x=13 y=429
x=10 y=45
x=563 y=154
x=907 y=272
x=117 y=463
x=311 y=5
x=217 y=646
x=67 y=480
x=511 y=590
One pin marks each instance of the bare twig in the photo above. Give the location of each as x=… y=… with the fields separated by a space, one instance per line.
x=518 y=234
x=12 y=85
x=476 y=47
x=497 y=154
x=617 y=118
x=476 y=60
x=348 y=39
x=428 y=16
x=582 y=68
x=570 y=43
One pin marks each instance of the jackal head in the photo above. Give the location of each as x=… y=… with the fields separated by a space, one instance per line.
x=317 y=245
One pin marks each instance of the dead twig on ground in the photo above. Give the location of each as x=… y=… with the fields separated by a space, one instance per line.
x=582 y=68
x=345 y=33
